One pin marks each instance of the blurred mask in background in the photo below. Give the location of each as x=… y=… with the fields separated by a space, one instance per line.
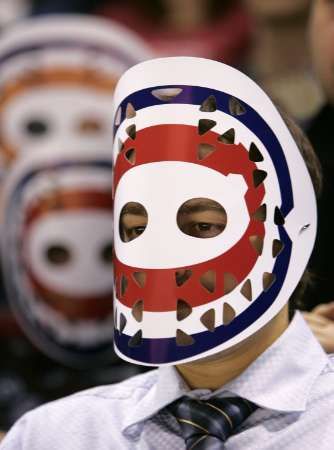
x=57 y=252
x=57 y=76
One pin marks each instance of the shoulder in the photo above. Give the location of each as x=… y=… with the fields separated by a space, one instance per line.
x=81 y=419
x=317 y=421
x=117 y=395
x=322 y=390
x=134 y=387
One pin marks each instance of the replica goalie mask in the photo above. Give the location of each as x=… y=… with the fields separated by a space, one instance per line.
x=214 y=210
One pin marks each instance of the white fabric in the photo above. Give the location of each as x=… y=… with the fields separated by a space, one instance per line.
x=292 y=382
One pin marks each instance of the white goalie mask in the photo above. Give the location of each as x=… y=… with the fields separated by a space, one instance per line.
x=214 y=210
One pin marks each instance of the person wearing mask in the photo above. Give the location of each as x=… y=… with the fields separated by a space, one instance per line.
x=212 y=237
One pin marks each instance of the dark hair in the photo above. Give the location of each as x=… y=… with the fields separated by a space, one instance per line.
x=306 y=149
x=314 y=167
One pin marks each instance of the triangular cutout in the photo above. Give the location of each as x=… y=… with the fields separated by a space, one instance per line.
x=124 y=285
x=130 y=156
x=278 y=246
x=140 y=278
x=208 y=319
x=120 y=145
x=208 y=280
x=268 y=280
x=136 y=340
x=117 y=286
x=260 y=214
x=230 y=283
x=183 y=310
x=118 y=117
x=278 y=217
x=205 y=125
x=166 y=94
x=228 y=314
x=182 y=276
x=130 y=111
x=205 y=150
x=115 y=318
x=137 y=310
x=254 y=153
x=246 y=290
x=257 y=243
x=258 y=177
x=209 y=104
x=122 y=322
x=131 y=131
x=228 y=137
x=183 y=339
x=235 y=107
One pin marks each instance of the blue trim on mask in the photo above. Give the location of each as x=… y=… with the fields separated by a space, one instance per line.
x=160 y=351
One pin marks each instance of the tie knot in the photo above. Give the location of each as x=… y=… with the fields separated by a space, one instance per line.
x=216 y=418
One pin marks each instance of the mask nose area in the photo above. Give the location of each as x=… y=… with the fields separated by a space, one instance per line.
x=169 y=231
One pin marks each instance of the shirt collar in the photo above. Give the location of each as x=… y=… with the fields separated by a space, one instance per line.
x=169 y=387
x=282 y=377
x=279 y=379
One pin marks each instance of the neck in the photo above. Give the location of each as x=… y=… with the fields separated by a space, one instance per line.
x=214 y=372
x=279 y=47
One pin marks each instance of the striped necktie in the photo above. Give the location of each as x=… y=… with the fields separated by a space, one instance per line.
x=208 y=424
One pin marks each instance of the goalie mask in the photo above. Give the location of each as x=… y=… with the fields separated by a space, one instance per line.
x=57 y=76
x=57 y=252
x=214 y=210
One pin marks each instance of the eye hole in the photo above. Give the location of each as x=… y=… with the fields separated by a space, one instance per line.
x=201 y=218
x=90 y=125
x=107 y=253
x=57 y=255
x=36 y=127
x=133 y=221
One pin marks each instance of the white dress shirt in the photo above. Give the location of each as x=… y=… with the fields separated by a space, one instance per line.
x=292 y=382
